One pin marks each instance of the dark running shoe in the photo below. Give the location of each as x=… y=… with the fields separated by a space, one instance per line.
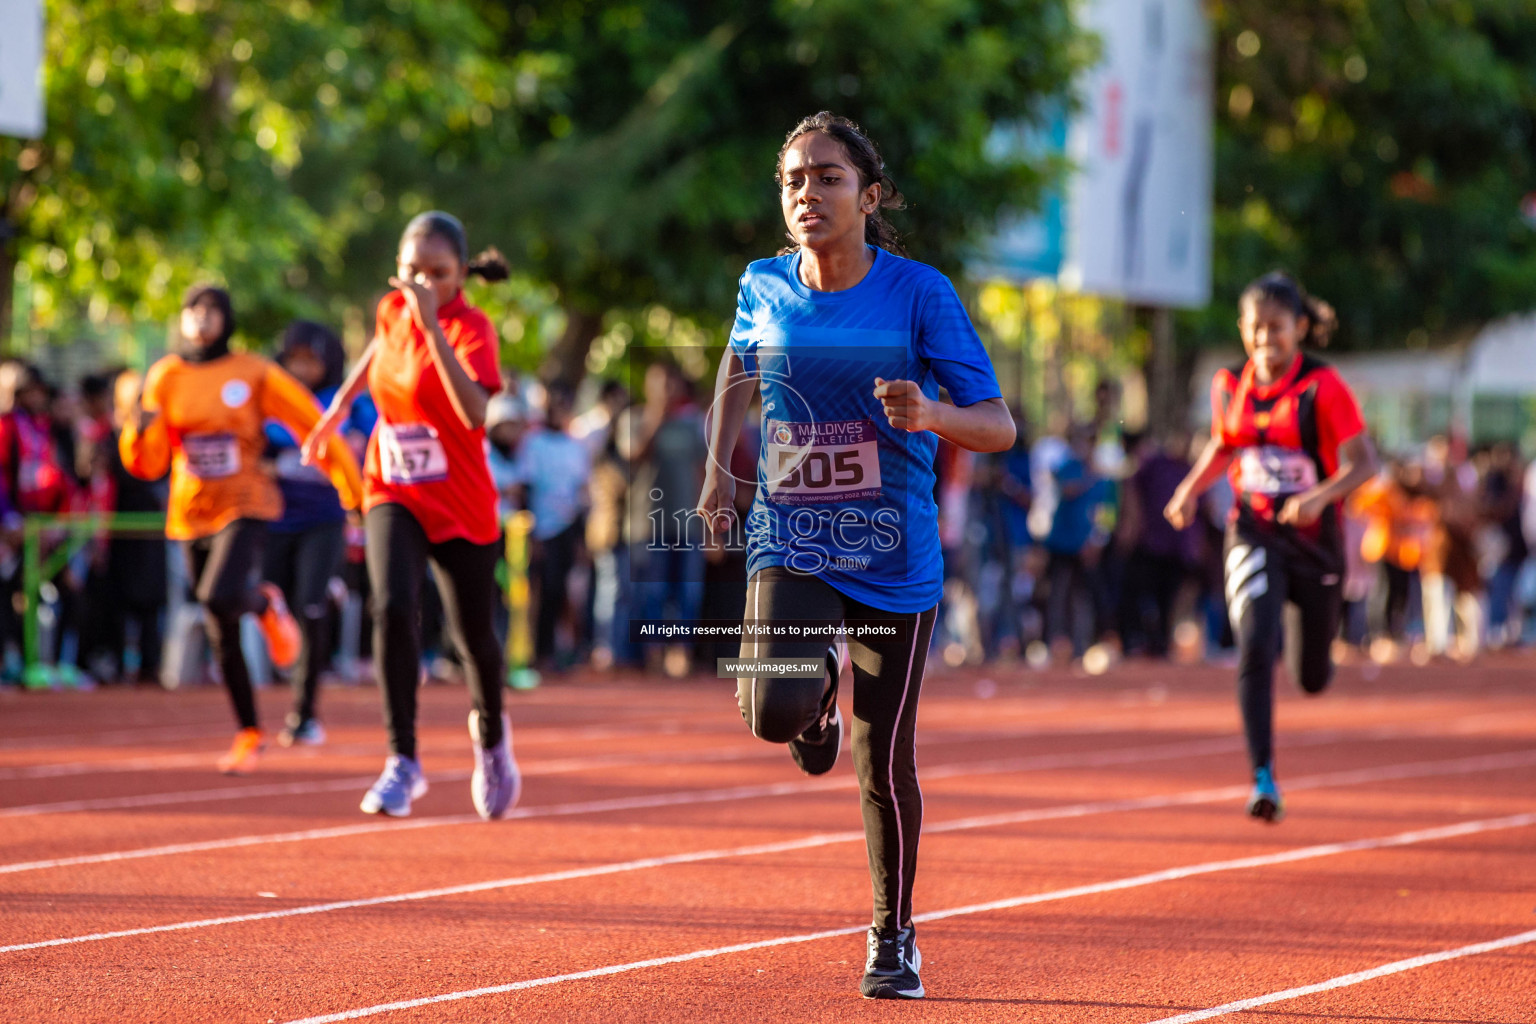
x=301 y=732
x=891 y=970
x=1264 y=802
x=815 y=750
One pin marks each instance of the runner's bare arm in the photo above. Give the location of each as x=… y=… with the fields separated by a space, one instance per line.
x=734 y=388
x=467 y=395
x=341 y=404
x=985 y=426
x=1213 y=461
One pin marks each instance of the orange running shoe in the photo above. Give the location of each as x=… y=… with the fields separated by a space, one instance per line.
x=243 y=753
x=280 y=628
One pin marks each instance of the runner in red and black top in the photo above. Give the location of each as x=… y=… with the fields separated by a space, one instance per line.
x=427 y=496
x=1289 y=432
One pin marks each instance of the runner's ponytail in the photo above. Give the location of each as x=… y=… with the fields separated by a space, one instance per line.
x=490 y=265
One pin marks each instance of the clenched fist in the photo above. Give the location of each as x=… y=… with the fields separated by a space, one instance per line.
x=904 y=404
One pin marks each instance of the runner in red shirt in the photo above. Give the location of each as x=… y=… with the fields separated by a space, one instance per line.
x=1289 y=432
x=428 y=496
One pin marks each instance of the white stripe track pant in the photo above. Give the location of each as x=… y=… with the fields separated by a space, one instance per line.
x=1273 y=600
x=887 y=677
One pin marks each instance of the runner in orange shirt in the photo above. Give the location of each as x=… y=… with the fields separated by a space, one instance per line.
x=202 y=415
x=431 y=368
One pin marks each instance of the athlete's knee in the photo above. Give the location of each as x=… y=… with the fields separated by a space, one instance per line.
x=777 y=723
x=224 y=609
x=392 y=612
x=485 y=656
x=775 y=712
x=1314 y=679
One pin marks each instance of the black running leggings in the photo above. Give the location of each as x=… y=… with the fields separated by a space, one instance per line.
x=220 y=567
x=1270 y=601
x=302 y=563
x=398 y=552
x=887 y=677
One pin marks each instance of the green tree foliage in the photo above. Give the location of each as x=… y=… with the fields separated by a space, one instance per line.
x=1379 y=149
x=270 y=145
x=650 y=177
x=621 y=151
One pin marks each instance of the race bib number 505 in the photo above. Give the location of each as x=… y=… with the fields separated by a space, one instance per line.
x=411 y=453
x=820 y=463
x=1272 y=470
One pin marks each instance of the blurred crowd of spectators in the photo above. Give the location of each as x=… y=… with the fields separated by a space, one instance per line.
x=1056 y=551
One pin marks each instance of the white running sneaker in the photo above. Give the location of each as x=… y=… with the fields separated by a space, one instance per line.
x=496 y=783
x=399 y=784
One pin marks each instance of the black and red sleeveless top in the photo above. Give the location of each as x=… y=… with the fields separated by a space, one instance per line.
x=1286 y=437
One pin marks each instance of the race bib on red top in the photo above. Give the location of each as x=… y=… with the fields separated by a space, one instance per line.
x=211 y=456
x=1270 y=470
x=822 y=463
x=411 y=453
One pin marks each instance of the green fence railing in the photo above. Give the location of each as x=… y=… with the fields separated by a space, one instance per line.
x=50 y=541
x=63 y=535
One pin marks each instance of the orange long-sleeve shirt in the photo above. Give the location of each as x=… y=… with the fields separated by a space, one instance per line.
x=209 y=433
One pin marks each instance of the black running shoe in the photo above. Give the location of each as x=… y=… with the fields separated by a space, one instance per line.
x=891 y=970
x=815 y=750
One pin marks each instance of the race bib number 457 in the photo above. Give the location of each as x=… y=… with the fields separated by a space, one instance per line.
x=1272 y=470
x=411 y=453
x=821 y=463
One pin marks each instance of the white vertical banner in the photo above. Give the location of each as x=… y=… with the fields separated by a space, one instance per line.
x=21 y=68
x=1139 y=209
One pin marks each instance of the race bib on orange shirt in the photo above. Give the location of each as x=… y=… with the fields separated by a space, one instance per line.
x=822 y=463
x=411 y=453
x=211 y=456
x=1267 y=469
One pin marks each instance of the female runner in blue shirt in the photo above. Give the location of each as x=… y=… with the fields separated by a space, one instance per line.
x=849 y=343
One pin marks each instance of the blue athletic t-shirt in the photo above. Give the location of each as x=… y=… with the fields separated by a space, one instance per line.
x=309 y=497
x=842 y=494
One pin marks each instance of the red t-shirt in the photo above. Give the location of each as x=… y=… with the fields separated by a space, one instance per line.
x=1286 y=435
x=421 y=455
x=33 y=478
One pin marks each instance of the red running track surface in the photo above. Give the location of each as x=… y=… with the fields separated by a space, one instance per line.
x=1084 y=859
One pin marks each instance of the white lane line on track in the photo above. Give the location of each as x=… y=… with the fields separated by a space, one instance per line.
x=1040 y=762
x=826 y=839
x=1116 y=885
x=119 y=737
x=120 y=803
x=317 y=758
x=1346 y=980
x=540 y=737
x=1033 y=762
x=1043 y=762
x=534 y=738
